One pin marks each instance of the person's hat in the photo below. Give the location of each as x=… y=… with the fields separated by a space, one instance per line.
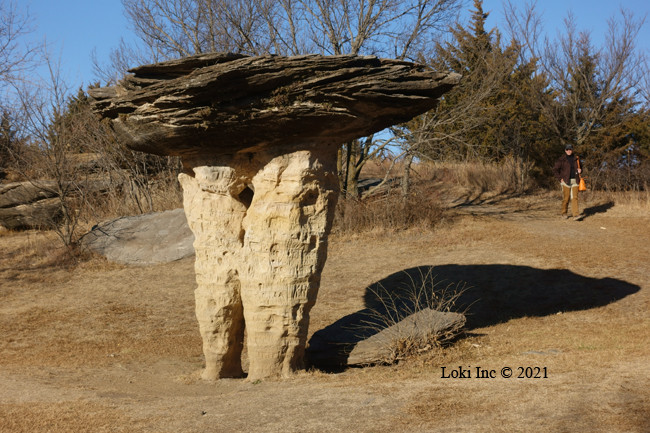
x=568 y=147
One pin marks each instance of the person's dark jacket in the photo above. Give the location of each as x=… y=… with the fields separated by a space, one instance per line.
x=562 y=168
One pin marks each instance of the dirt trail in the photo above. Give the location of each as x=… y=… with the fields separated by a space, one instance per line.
x=109 y=348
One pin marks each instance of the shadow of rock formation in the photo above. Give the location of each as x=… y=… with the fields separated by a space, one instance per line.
x=493 y=294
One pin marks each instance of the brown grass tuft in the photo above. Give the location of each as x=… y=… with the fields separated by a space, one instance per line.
x=414 y=294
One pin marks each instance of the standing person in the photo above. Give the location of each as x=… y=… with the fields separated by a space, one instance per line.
x=567 y=170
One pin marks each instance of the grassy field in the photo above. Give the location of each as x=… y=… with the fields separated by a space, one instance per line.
x=100 y=347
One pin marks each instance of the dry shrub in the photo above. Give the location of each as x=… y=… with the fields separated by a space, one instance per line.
x=632 y=201
x=613 y=174
x=388 y=211
x=507 y=176
x=124 y=198
x=413 y=294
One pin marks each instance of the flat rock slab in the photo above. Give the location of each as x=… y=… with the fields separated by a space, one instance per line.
x=153 y=238
x=359 y=339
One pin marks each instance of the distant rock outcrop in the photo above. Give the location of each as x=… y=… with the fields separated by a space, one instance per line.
x=35 y=203
x=28 y=204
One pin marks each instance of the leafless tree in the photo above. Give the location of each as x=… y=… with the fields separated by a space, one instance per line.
x=61 y=134
x=395 y=28
x=46 y=163
x=586 y=81
x=400 y=29
x=121 y=59
x=15 y=55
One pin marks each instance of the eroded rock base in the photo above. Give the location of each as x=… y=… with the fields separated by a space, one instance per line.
x=260 y=223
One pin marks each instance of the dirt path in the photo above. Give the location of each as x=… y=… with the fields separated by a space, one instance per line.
x=109 y=348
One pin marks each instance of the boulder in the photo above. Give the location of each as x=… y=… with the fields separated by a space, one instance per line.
x=157 y=237
x=362 y=339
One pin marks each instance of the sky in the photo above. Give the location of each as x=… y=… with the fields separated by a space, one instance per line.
x=74 y=28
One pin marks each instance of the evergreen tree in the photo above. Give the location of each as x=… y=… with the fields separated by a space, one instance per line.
x=592 y=99
x=10 y=143
x=491 y=114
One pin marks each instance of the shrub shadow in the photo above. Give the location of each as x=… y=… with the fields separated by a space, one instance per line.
x=601 y=208
x=493 y=294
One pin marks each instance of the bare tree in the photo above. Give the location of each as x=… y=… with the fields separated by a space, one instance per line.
x=394 y=28
x=15 y=55
x=178 y=28
x=46 y=163
x=586 y=81
x=399 y=29
x=121 y=59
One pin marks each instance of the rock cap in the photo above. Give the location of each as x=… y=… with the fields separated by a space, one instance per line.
x=225 y=103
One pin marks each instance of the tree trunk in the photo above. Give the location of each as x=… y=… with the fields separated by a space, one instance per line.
x=406 y=176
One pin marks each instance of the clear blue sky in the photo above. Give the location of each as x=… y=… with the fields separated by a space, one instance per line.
x=73 y=28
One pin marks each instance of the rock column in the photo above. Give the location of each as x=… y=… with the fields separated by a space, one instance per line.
x=260 y=223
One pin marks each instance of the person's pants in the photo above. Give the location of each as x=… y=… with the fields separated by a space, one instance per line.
x=570 y=193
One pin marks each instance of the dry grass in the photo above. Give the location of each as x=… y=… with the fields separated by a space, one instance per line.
x=79 y=416
x=114 y=348
x=632 y=202
x=423 y=209
x=388 y=212
x=478 y=177
x=415 y=293
x=433 y=186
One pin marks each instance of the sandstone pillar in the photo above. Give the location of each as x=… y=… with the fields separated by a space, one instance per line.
x=260 y=223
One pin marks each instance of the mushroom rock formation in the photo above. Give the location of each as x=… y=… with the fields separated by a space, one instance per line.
x=258 y=137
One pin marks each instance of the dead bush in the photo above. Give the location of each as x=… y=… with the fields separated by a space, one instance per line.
x=413 y=294
x=388 y=211
x=613 y=176
x=507 y=176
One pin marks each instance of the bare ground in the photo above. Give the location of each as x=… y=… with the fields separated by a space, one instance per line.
x=108 y=348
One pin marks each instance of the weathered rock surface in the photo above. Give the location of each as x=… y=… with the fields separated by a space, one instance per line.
x=258 y=137
x=36 y=204
x=222 y=103
x=28 y=204
x=261 y=228
x=157 y=237
x=17 y=193
x=355 y=340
